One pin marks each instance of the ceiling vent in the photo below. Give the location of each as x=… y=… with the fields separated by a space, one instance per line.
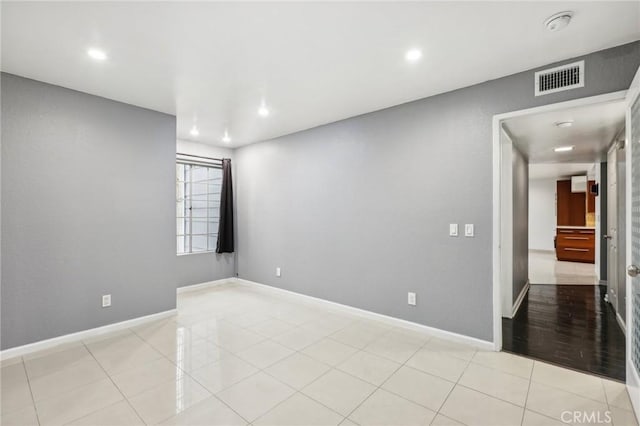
x=558 y=79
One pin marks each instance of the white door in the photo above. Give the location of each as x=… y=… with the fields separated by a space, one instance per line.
x=633 y=242
x=611 y=236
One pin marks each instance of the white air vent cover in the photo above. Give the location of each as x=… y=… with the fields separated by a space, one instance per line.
x=564 y=77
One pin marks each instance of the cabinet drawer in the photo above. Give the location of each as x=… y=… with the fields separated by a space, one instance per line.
x=575 y=254
x=576 y=240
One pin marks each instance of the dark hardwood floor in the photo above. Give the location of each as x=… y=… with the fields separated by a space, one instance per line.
x=568 y=325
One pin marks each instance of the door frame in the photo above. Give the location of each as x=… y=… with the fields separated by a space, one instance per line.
x=633 y=381
x=498 y=119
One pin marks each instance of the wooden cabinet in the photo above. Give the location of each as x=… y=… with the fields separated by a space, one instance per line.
x=571 y=206
x=575 y=245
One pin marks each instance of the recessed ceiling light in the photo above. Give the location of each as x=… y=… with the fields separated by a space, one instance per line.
x=194 y=131
x=263 y=111
x=564 y=124
x=558 y=21
x=226 y=138
x=97 y=54
x=413 y=55
x=563 y=149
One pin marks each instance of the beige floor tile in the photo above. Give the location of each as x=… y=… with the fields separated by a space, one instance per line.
x=69 y=406
x=254 y=396
x=339 y=391
x=438 y=364
x=505 y=362
x=197 y=354
x=552 y=402
x=14 y=389
x=501 y=385
x=298 y=338
x=265 y=353
x=369 y=367
x=223 y=373
x=298 y=370
x=475 y=408
x=299 y=410
x=329 y=351
x=347 y=422
x=25 y=416
x=139 y=379
x=235 y=339
x=568 y=380
x=208 y=412
x=622 y=417
x=119 y=414
x=10 y=361
x=441 y=420
x=421 y=388
x=123 y=353
x=60 y=381
x=245 y=320
x=271 y=327
x=448 y=348
x=168 y=399
x=386 y=409
x=358 y=335
x=55 y=359
x=617 y=395
x=394 y=346
x=531 y=418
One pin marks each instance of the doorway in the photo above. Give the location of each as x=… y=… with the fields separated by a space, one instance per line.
x=560 y=289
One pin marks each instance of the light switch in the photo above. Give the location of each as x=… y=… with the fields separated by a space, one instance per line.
x=453 y=229
x=468 y=230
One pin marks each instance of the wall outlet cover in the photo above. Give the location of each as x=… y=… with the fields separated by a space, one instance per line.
x=278 y=272
x=469 y=230
x=411 y=299
x=106 y=300
x=453 y=229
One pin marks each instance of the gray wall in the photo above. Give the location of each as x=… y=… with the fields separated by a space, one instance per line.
x=88 y=208
x=520 y=197
x=202 y=267
x=357 y=211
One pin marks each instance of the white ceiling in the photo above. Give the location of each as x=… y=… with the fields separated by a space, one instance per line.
x=312 y=63
x=593 y=130
x=561 y=170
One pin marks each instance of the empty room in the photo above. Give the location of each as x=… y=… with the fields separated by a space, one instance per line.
x=317 y=213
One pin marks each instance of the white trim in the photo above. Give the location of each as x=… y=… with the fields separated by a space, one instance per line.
x=633 y=381
x=397 y=322
x=497 y=122
x=518 y=302
x=81 y=335
x=201 y=286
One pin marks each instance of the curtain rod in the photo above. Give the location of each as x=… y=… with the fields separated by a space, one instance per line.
x=199 y=156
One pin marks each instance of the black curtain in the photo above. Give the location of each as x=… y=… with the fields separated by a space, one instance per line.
x=225 y=226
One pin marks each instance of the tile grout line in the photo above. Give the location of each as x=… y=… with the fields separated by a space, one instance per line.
x=114 y=384
x=33 y=400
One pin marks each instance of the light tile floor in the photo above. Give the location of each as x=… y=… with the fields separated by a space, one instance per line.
x=237 y=355
x=545 y=269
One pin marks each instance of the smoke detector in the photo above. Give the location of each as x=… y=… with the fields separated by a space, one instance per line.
x=558 y=21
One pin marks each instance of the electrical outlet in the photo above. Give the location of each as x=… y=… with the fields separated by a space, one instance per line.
x=411 y=299
x=468 y=230
x=453 y=229
x=278 y=273
x=106 y=300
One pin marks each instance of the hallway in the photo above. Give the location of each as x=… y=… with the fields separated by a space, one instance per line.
x=568 y=325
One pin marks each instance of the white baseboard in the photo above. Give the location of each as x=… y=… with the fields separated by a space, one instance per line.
x=80 y=335
x=202 y=286
x=397 y=322
x=521 y=296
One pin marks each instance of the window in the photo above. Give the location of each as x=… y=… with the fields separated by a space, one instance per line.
x=198 y=207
